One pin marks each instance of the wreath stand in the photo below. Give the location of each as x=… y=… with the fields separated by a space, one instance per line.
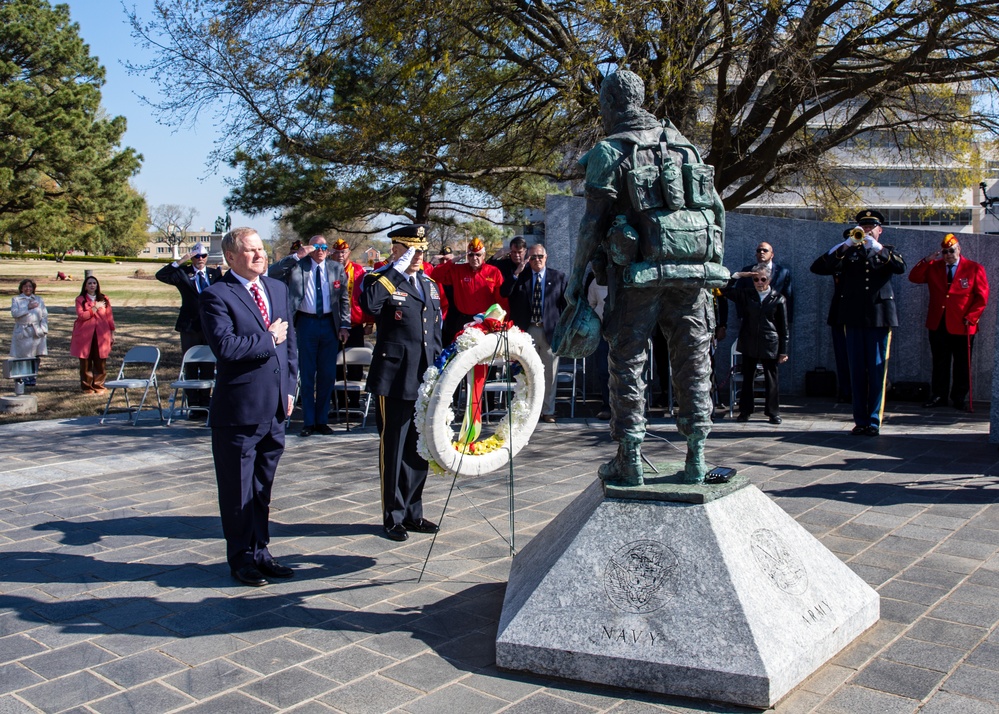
x=502 y=350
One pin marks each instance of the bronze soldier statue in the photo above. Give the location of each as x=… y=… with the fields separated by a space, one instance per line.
x=654 y=231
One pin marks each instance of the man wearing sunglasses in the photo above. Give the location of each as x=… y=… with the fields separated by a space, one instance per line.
x=959 y=292
x=191 y=279
x=866 y=308
x=763 y=338
x=469 y=288
x=780 y=276
x=320 y=303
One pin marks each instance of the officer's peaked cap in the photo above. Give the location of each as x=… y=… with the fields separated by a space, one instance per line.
x=411 y=236
x=870 y=217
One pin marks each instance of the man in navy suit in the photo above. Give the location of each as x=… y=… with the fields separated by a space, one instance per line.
x=537 y=299
x=247 y=321
x=191 y=280
x=320 y=305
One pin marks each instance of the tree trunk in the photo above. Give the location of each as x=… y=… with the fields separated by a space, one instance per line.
x=423 y=196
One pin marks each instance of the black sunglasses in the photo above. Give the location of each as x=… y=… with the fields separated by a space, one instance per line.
x=759 y=280
x=949 y=251
x=762 y=250
x=201 y=255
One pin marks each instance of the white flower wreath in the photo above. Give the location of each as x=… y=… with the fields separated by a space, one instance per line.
x=434 y=414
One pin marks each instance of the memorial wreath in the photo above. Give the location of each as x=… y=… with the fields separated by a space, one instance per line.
x=490 y=340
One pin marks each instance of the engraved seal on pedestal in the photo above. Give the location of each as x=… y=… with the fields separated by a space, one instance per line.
x=641 y=576
x=776 y=559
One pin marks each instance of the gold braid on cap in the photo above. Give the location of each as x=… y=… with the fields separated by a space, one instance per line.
x=949 y=240
x=340 y=244
x=475 y=245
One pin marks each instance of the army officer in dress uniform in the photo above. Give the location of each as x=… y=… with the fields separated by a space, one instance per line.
x=406 y=306
x=866 y=307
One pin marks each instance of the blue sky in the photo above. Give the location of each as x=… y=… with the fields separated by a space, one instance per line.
x=174 y=168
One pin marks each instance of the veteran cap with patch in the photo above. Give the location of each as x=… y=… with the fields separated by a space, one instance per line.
x=870 y=217
x=340 y=244
x=411 y=236
x=949 y=241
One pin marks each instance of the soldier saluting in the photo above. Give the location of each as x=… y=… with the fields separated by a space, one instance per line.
x=407 y=310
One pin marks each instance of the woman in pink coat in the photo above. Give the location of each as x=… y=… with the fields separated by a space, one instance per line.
x=93 y=335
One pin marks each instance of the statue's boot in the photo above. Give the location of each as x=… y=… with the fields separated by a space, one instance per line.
x=625 y=469
x=694 y=469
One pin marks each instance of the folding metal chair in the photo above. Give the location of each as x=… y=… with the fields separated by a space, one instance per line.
x=354 y=356
x=500 y=387
x=735 y=380
x=135 y=362
x=573 y=374
x=199 y=354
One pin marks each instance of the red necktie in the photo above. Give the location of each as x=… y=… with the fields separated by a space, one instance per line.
x=259 y=299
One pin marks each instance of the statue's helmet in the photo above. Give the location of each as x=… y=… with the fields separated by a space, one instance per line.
x=577 y=334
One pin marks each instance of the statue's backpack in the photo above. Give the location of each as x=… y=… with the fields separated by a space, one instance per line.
x=675 y=210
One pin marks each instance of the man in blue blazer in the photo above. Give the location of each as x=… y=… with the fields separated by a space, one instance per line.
x=320 y=305
x=537 y=299
x=246 y=317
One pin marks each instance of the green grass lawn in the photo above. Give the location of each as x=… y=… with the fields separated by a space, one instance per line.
x=145 y=311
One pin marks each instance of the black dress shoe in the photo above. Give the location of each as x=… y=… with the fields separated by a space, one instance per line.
x=872 y=431
x=961 y=406
x=323 y=429
x=249 y=575
x=396 y=532
x=860 y=430
x=775 y=419
x=273 y=569
x=421 y=526
x=935 y=402
x=742 y=418
x=307 y=431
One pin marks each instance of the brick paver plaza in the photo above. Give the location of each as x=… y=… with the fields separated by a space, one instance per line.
x=115 y=596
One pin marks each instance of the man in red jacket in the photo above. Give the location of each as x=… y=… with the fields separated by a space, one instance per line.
x=470 y=288
x=959 y=292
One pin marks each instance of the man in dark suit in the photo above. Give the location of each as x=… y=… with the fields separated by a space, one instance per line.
x=320 y=303
x=959 y=292
x=780 y=277
x=191 y=280
x=537 y=299
x=516 y=257
x=407 y=310
x=866 y=307
x=247 y=321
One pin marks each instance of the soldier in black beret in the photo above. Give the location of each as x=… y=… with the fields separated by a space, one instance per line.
x=865 y=305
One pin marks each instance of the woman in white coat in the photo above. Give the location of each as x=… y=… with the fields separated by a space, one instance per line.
x=31 y=325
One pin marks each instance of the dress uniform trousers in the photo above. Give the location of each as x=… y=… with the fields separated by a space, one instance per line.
x=403 y=471
x=867 y=350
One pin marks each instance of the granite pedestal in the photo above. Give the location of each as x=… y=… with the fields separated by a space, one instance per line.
x=726 y=600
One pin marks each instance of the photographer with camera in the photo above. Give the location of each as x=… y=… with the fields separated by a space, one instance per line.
x=866 y=308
